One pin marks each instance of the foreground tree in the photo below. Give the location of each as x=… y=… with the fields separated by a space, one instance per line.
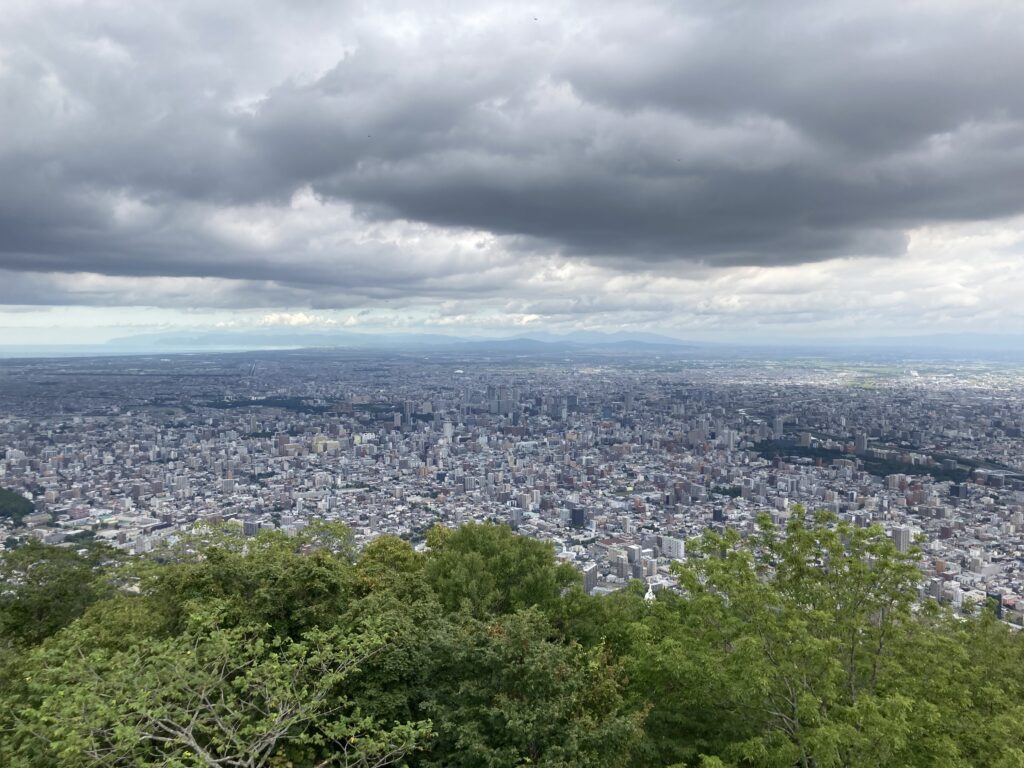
x=791 y=639
x=210 y=696
x=46 y=588
x=788 y=648
x=487 y=570
x=292 y=583
x=506 y=692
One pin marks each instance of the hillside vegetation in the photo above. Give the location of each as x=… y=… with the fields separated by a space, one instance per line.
x=795 y=648
x=14 y=506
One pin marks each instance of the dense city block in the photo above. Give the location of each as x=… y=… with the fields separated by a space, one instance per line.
x=617 y=459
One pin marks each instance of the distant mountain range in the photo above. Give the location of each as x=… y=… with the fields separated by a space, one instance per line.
x=962 y=346
x=287 y=338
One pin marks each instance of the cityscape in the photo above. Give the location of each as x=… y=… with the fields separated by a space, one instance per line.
x=616 y=458
x=497 y=384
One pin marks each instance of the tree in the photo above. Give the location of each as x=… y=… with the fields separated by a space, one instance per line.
x=14 y=506
x=388 y=562
x=804 y=646
x=506 y=692
x=292 y=583
x=45 y=588
x=806 y=622
x=487 y=570
x=213 y=696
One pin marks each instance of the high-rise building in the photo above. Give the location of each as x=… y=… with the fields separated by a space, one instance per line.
x=901 y=538
x=673 y=548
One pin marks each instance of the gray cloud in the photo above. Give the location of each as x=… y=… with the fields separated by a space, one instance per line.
x=171 y=141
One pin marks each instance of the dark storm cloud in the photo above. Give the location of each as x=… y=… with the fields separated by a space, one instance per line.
x=753 y=133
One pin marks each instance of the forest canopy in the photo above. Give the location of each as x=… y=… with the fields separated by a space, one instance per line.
x=798 y=647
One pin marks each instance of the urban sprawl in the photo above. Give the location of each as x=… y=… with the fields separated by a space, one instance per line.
x=618 y=460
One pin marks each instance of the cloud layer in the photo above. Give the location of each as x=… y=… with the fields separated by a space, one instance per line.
x=497 y=156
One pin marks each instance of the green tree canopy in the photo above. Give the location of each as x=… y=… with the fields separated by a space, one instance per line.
x=488 y=570
x=14 y=506
x=45 y=588
x=795 y=647
x=507 y=692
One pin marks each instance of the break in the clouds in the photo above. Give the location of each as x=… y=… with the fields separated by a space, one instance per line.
x=652 y=163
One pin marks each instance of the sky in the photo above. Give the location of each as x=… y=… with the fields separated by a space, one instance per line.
x=704 y=169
